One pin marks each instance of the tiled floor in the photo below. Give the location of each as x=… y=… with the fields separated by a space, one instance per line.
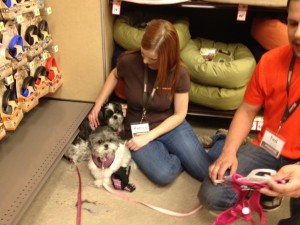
x=56 y=202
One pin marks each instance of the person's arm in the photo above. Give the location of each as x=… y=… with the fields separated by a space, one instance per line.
x=290 y=173
x=180 y=110
x=238 y=131
x=105 y=92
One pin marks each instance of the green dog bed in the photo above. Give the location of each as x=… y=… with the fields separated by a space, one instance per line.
x=216 y=98
x=218 y=64
x=130 y=28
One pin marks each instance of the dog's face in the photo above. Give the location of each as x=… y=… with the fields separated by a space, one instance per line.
x=104 y=142
x=112 y=116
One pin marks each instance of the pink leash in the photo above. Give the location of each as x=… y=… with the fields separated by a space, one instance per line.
x=162 y=210
x=121 y=195
x=79 y=197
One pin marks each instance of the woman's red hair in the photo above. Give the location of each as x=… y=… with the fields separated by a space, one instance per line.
x=161 y=36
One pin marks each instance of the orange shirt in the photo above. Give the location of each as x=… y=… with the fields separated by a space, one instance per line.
x=268 y=87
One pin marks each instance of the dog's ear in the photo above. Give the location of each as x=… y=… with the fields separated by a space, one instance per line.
x=91 y=141
x=101 y=117
x=90 y=145
x=84 y=129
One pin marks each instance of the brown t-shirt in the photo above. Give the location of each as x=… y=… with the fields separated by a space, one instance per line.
x=130 y=67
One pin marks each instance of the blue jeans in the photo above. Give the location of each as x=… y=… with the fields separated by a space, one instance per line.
x=250 y=157
x=164 y=158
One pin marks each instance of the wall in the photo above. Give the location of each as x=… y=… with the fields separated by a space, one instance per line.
x=76 y=27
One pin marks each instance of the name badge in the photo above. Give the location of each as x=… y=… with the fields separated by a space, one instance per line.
x=139 y=128
x=272 y=143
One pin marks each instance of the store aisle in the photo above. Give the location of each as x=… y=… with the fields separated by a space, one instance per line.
x=56 y=202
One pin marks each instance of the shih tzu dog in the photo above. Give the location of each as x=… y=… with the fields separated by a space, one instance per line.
x=110 y=115
x=110 y=159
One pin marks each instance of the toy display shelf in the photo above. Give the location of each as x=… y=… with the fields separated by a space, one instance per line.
x=29 y=154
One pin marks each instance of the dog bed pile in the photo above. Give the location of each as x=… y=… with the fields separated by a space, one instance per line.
x=219 y=72
x=218 y=83
x=130 y=28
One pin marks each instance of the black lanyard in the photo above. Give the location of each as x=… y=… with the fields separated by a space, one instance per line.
x=289 y=110
x=147 y=99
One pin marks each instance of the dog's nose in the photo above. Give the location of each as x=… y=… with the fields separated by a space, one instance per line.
x=106 y=146
x=115 y=117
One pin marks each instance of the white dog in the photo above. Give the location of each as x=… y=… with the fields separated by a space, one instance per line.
x=110 y=159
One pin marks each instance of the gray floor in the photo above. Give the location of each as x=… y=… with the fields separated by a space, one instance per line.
x=56 y=202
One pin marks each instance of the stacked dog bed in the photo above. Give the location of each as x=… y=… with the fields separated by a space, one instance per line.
x=219 y=72
x=130 y=28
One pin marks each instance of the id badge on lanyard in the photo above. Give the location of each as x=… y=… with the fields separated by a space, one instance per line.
x=139 y=129
x=143 y=126
x=272 y=143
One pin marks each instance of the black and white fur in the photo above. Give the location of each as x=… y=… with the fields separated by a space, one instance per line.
x=111 y=115
x=106 y=144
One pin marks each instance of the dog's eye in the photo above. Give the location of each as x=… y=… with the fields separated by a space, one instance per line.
x=109 y=113
x=99 y=142
x=119 y=111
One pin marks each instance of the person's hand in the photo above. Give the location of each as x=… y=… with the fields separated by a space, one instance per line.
x=137 y=142
x=218 y=168
x=93 y=116
x=290 y=173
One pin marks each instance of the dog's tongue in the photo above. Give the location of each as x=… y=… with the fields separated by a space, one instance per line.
x=105 y=163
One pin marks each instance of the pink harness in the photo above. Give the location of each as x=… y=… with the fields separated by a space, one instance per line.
x=105 y=163
x=248 y=196
x=248 y=201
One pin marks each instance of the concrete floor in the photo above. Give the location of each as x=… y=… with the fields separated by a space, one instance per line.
x=56 y=202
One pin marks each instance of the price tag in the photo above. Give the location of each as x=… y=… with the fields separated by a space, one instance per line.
x=48 y=10
x=9 y=80
x=37 y=12
x=31 y=65
x=20 y=19
x=2 y=27
x=242 y=12
x=44 y=56
x=116 y=7
x=55 y=48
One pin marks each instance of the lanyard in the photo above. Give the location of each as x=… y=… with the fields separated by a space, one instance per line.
x=289 y=110
x=147 y=99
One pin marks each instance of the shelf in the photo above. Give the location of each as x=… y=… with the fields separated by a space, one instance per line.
x=29 y=155
x=198 y=4
x=198 y=110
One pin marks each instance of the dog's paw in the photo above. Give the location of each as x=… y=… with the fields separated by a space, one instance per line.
x=98 y=183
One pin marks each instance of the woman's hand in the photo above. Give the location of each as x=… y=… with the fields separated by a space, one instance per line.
x=290 y=173
x=105 y=92
x=224 y=162
x=93 y=116
x=138 y=142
